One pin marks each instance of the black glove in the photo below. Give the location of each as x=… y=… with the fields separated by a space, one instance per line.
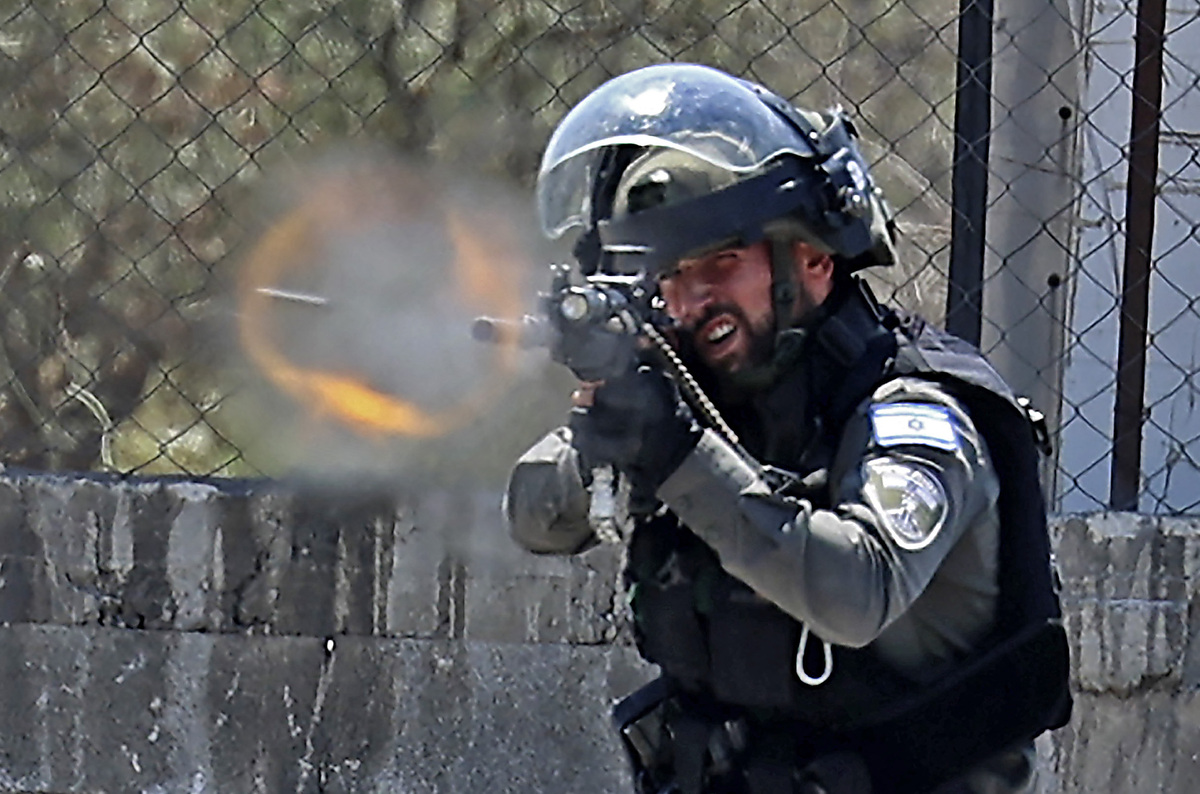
x=638 y=424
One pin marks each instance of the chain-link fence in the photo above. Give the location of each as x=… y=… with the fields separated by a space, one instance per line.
x=132 y=130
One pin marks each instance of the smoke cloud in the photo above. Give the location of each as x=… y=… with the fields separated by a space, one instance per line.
x=354 y=309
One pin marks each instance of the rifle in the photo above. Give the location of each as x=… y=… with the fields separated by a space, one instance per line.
x=602 y=326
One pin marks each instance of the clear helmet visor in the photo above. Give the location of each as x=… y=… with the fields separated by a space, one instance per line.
x=694 y=109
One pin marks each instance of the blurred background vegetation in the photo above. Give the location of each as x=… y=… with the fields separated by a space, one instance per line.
x=133 y=131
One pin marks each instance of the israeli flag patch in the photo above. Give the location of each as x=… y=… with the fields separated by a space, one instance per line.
x=920 y=424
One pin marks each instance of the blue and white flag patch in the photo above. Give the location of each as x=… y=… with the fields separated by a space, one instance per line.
x=921 y=424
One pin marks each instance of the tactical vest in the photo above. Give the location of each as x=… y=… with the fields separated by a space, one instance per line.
x=727 y=650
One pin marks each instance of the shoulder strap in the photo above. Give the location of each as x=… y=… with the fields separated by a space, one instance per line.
x=1010 y=433
x=856 y=348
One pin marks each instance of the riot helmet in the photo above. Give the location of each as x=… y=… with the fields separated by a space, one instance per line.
x=669 y=160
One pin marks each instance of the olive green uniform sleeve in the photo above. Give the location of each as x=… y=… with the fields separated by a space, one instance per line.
x=906 y=555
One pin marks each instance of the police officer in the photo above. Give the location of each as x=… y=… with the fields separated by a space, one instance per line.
x=842 y=571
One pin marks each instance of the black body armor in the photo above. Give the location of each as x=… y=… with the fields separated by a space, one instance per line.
x=725 y=650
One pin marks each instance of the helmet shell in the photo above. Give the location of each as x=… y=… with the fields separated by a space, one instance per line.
x=767 y=159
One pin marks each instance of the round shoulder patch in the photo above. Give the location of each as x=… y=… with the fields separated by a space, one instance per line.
x=909 y=499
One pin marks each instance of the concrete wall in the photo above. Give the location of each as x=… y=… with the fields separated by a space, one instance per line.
x=162 y=636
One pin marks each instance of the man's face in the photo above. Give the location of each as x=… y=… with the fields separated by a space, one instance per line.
x=723 y=301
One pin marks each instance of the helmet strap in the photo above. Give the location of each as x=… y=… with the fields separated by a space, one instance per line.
x=783 y=285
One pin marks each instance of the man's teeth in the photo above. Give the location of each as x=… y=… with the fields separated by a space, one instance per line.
x=719 y=333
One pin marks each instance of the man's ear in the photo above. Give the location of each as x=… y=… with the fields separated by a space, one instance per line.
x=814 y=270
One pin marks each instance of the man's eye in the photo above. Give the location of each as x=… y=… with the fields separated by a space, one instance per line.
x=726 y=262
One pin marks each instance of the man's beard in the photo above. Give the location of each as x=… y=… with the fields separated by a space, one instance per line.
x=760 y=345
x=756 y=371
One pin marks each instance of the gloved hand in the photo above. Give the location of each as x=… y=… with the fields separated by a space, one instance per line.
x=637 y=423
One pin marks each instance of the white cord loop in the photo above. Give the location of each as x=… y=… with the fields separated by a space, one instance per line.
x=801 y=673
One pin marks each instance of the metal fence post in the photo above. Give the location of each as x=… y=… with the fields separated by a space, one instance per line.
x=1140 y=200
x=972 y=134
x=1035 y=174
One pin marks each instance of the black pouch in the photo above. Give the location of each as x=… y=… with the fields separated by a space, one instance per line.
x=753 y=646
x=665 y=562
x=669 y=631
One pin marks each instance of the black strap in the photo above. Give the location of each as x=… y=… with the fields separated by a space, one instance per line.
x=858 y=351
x=690 y=755
x=589 y=248
x=641 y=702
x=783 y=285
x=926 y=741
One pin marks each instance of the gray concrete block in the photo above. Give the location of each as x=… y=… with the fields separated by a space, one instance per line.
x=25 y=591
x=1127 y=584
x=414 y=579
x=67 y=516
x=1131 y=745
x=1125 y=556
x=428 y=716
x=171 y=555
x=262 y=695
x=547 y=602
x=193 y=561
x=17 y=539
x=96 y=709
x=256 y=558
x=116 y=710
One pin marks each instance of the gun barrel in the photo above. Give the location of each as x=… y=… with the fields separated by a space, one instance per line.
x=527 y=332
